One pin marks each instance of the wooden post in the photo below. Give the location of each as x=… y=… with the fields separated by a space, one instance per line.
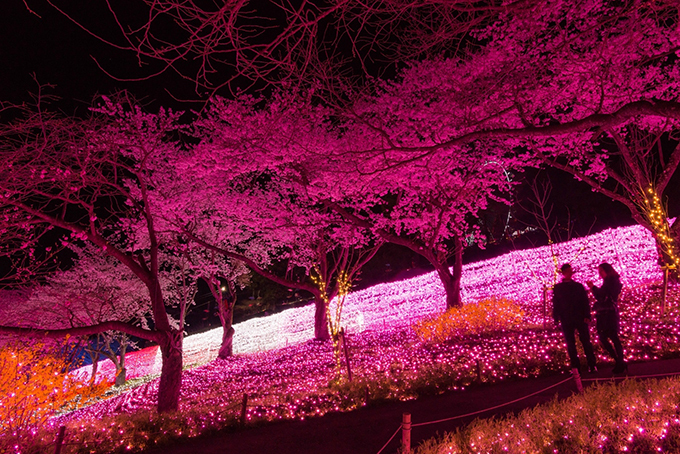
x=545 y=305
x=479 y=372
x=60 y=439
x=577 y=379
x=244 y=408
x=406 y=433
x=665 y=290
x=367 y=396
x=346 y=349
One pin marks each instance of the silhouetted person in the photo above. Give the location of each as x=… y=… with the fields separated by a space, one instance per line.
x=607 y=313
x=571 y=309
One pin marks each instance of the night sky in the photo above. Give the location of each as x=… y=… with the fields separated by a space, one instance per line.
x=59 y=53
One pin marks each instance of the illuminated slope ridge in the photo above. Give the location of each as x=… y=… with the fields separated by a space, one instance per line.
x=518 y=275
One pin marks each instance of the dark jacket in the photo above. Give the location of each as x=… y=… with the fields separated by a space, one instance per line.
x=607 y=296
x=570 y=303
x=606 y=307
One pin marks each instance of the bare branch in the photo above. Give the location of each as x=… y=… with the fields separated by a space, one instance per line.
x=84 y=331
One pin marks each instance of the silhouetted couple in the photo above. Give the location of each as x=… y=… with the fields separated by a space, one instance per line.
x=571 y=309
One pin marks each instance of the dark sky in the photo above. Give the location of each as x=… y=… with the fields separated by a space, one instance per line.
x=60 y=53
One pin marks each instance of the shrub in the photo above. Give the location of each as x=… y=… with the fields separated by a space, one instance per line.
x=34 y=385
x=485 y=316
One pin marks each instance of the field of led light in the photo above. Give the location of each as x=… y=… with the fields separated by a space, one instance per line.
x=519 y=276
x=286 y=375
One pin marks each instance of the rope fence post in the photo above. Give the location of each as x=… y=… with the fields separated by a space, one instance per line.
x=406 y=433
x=60 y=439
x=367 y=396
x=577 y=379
x=665 y=290
x=244 y=408
x=545 y=306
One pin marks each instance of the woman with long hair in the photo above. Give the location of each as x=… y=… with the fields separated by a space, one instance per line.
x=607 y=314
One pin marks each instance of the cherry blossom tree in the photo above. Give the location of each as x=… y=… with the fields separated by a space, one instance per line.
x=251 y=199
x=638 y=169
x=611 y=68
x=277 y=171
x=90 y=180
x=428 y=206
x=274 y=228
x=588 y=87
x=97 y=289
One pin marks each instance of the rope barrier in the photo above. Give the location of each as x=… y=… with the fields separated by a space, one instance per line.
x=492 y=408
x=474 y=412
x=391 y=438
x=522 y=398
x=538 y=392
x=624 y=377
x=237 y=404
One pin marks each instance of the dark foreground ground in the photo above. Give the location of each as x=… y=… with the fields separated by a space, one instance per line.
x=367 y=430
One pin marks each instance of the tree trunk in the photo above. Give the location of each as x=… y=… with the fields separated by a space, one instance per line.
x=225 y=310
x=121 y=376
x=451 y=283
x=95 y=365
x=320 y=320
x=227 y=347
x=675 y=236
x=454 y=300
x=171 y=372
x=450 y=278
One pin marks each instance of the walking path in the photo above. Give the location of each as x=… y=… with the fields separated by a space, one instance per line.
x=368 y=430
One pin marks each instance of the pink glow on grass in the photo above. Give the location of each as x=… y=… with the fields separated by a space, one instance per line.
x=518 y=275
x=292 y=381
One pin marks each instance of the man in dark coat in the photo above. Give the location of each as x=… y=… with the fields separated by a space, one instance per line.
x=571 y=309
